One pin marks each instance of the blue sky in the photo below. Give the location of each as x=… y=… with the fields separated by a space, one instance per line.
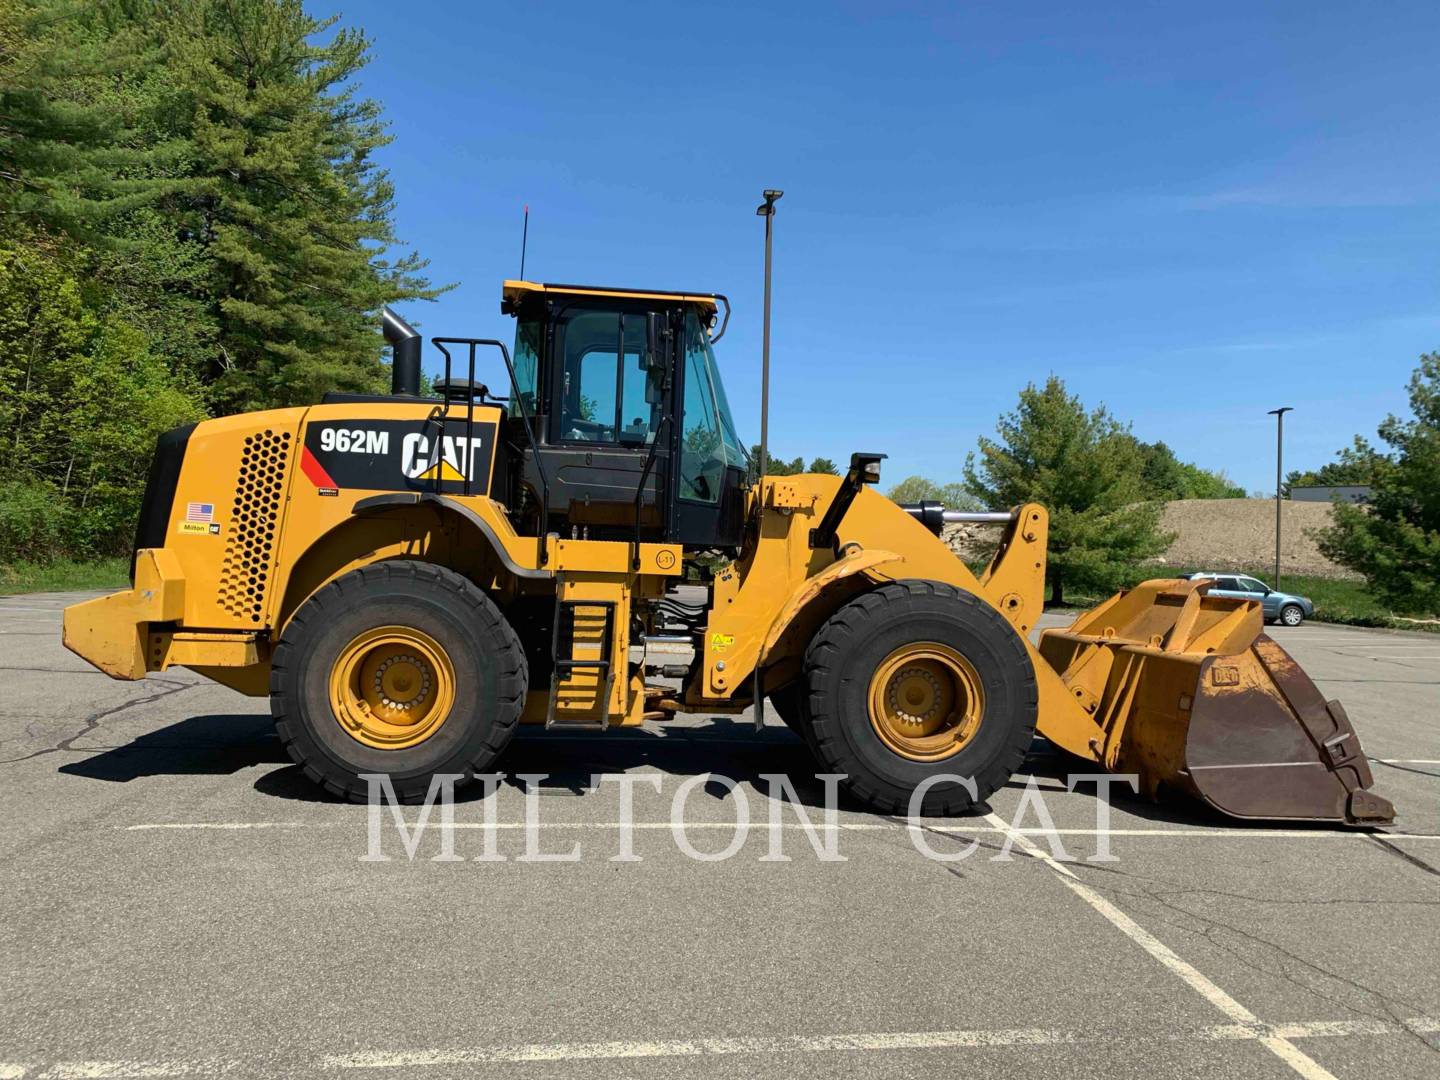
x=1192 y=213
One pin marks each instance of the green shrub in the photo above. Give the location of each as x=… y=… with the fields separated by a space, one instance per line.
x=35 y=523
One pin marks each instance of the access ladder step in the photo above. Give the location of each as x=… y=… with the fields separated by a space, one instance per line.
x=564 y=661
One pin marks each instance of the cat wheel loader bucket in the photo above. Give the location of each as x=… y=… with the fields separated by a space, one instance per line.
x=1188 y=692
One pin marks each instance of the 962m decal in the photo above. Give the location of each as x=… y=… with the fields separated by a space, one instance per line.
x=398 y=455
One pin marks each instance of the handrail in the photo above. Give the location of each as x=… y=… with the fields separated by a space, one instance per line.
x=640 y=488
x=518 y=396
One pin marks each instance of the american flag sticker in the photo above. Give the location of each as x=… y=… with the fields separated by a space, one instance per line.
x=203 y=513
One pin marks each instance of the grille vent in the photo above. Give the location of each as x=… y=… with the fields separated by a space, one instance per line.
x=253 y=516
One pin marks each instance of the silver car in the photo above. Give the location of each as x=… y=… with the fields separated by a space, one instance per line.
x=1287 y=608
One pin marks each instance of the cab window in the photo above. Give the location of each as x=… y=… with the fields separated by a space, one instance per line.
x=709 y=441
x=609 y=392
x=527 y=361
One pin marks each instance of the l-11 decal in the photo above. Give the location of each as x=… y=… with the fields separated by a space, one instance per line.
x=399 y=455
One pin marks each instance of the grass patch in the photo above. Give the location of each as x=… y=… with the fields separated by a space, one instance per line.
x=64 y=575
x=1337 y=600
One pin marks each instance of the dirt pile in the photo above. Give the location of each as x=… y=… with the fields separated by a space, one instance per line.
x=1212 y=534
x=973 y=543
x=1239 y=534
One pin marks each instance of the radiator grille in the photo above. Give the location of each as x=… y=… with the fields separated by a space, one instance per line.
x=253 y=516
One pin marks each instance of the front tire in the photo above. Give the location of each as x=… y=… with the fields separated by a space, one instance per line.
x=792 y=704
x=402 y=668
x=1292 y=615
x=788 y=703
x=914 y=680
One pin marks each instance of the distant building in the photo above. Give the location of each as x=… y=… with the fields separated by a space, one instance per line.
x=1355 y=493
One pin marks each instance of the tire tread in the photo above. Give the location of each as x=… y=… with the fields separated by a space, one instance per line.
x=412 y=576
x=827 y=651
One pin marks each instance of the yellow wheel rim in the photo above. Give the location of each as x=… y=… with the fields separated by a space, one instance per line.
x=392 y=687
x=926 y=701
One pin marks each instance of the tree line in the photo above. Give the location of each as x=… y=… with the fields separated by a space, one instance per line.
x=1104 y=488
x=1105 y=491
x=192 y=222
x=1393 y=539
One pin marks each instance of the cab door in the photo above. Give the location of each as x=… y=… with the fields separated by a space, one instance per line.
x=709 y=491
x=609 y=396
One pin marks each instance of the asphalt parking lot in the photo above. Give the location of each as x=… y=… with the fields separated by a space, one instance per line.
x=179 y=901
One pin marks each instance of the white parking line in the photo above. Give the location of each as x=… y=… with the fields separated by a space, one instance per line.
x=843 y=1042
x=1391 y=656
x=849 y=826
x=1386 y=645
x=1359 y=641
x=1277 y=1044
x=1407 y=760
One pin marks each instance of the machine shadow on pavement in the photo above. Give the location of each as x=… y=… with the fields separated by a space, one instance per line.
x=215 y=745
x=225 y=744
x=570 y=761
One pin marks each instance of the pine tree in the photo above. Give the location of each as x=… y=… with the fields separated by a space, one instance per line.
x=774 y=467
x=79 y=144
x=1394 y=541
x=95 y=147
x=1165 y=476
x=296 y=215
x=1086 y=469
x=191 y=219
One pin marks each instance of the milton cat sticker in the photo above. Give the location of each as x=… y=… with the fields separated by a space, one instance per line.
x=398 y=455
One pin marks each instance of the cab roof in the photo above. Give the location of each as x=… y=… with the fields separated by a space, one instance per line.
x=514 y=292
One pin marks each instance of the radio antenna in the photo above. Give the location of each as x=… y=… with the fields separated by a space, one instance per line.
x=524 y=240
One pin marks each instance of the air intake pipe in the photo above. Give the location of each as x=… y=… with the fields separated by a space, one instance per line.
x=405 y=359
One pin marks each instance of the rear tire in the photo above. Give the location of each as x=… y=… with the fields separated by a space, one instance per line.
x=1292 y=615
x=946 y=630
x=427 y=622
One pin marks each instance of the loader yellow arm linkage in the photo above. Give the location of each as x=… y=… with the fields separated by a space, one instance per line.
x=1182 y=689
x=768 y=604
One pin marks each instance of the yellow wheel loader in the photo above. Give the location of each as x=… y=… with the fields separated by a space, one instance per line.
x=408 y=578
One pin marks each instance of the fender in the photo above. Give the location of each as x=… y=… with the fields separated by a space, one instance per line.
x=379 y=504
x=855 y=561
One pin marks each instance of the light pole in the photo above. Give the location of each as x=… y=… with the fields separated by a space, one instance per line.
x=1279 y=415
x=767 y=211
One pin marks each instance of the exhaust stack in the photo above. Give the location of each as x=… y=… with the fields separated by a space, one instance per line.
x=405 y=344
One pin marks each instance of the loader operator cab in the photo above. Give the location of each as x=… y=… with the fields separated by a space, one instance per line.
x=630 y=417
